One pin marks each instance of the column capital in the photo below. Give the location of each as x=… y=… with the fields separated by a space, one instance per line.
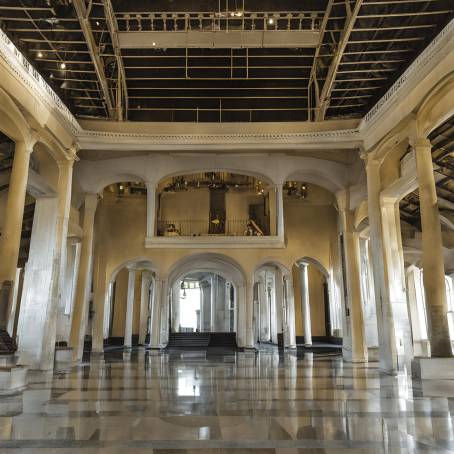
x=420 y=142
x=66 y=162
x=342 y=199
x=132 y=268
x=91 y=201
x=303 y=265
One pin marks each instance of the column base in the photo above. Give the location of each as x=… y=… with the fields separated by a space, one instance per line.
x=373 y=354
x=433 y=368
x=13 y=380
x=7 y=343
x=63 y=355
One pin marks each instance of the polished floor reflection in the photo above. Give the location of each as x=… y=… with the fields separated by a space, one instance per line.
x=240 y=403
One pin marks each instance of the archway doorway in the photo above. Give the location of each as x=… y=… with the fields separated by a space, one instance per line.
x=202 y=302
x=317 y=316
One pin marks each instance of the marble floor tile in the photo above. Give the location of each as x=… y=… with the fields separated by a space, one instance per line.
x=235 y=404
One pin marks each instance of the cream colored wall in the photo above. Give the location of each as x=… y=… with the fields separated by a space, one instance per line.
x=121 y=294
x=311 y=227
x=121 y=289
x=191 y=205
x=237 y=203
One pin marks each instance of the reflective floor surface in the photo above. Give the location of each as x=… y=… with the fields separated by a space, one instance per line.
x=240 y=403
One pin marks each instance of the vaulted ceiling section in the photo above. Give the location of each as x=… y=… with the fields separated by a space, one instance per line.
x=219 y=60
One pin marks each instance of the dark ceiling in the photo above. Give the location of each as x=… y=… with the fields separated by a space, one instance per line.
x=364 y=46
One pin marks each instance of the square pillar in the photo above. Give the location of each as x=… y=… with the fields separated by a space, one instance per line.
x=37 y=319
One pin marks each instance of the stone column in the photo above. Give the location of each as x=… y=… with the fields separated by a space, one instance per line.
x=432 y=253
x=176 y=307
x=387 y=322
x=279 y=299
x=151 y=209
x=249 y=313
x=289 y=327
x=280 y=211
x=144 y=300
x=12 y=227
x=37 y=319
x=305 y=303
x=213 y=290
x=357 y=350
x=129 y=306
x=66 y=305
x=82 y=294
x=263 y=317
x=155 y=328
x=164 y=340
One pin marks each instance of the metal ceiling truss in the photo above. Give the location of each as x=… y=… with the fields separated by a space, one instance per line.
x=363 y=46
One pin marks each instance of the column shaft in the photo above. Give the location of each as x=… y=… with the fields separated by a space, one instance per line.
x=144 y=300
x=432 y=253
x=280 y=210
x=155 y=329
x=151 y=209
x=305 y=304
x=12 y=227
x=356 y=351
x=80 y=310
x=129 y=307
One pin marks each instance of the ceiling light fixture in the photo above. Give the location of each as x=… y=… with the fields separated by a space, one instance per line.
x=97 y=23
x=154 y=44
x=270 y=21
x=40 y=54
x=62 y=65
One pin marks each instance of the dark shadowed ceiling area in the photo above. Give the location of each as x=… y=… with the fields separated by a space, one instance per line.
x=222 y=61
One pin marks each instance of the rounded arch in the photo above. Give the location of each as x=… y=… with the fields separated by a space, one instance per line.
x=316 y=177
x=272 y=262
x=315 y=263
x=117 y=178
x=12 y=122
x=197 y=169
x=437 y=106
x=209 y=262
x=142 y=261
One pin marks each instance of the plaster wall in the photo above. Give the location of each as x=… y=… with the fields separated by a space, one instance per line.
x=311 y=227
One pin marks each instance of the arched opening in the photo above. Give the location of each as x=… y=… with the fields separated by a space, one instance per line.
x=128 y=305
x=205 y=302
x=202 y=302
x=215 y=203
x=271 y=305
x=317 y=313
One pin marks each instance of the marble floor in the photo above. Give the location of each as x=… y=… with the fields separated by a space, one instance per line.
x=268 y=402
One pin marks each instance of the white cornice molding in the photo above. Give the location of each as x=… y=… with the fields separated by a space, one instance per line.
x=347 y=138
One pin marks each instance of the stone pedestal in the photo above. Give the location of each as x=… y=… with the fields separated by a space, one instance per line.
x=13 y=379
x=63 y=355
x=433 y=368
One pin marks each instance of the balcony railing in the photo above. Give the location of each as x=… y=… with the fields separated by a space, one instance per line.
x=229 y=227
x=217 y=21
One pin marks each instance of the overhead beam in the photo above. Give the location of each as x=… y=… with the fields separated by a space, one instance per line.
x=218 y=39
x=83 y=16
x=122 y=102
x=313 y=76
x=325 y=94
